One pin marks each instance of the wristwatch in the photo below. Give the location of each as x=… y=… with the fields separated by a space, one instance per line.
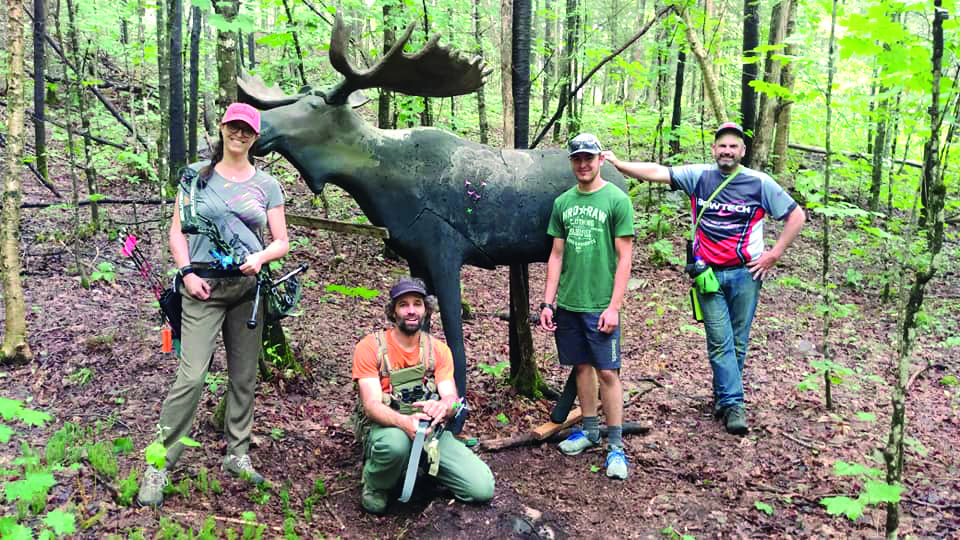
x=546 y=305
x=182 y=272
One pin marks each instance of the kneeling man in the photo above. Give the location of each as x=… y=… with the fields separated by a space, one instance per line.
x=405 y=380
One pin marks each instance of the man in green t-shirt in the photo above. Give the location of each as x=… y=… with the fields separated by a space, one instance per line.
x=592 y=229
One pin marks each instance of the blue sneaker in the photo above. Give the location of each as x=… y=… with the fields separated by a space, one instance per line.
x=577 y=442
x=616 y=464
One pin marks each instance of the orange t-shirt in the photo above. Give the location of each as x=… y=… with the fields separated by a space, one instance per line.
x=365 y=363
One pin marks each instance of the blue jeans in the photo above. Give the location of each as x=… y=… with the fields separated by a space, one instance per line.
x=727 y=315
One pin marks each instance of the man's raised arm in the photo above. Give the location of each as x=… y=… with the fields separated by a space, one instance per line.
x=651 y=172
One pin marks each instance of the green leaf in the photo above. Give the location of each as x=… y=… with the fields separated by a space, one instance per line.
x=594 y=469
x=9 y=408
x=61 y=522
x=205 y=5
x=842 y=468
x=845 y=506
x=502 y=418
x=32 y=484
x=187 y=441
x=122 y=445
x=880 y=492
x=5 y=433
x=34 y=418
x=11 y=530
x=156 y=455
x=866 y=417
x=764 y=507
x=949 y=380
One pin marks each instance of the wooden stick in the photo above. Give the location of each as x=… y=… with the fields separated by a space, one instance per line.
x=528 y=439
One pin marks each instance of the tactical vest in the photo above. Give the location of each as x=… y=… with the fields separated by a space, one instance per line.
x=407 y=385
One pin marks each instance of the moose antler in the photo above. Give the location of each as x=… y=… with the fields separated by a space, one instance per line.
x=434 y=71
x=252 y=90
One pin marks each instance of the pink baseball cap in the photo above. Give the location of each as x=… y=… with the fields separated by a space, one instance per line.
x=244 y=113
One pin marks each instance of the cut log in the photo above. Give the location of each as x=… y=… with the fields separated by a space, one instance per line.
x=530 y=438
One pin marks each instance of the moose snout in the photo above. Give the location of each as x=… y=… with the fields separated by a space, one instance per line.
x=267 y=140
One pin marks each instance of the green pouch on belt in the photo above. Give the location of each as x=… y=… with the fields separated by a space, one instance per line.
x=695 y=305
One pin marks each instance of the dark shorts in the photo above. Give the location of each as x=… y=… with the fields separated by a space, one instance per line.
x=580 y=342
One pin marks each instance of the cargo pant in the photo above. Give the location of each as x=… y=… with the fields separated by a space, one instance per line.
x=227 y=309
x=388 y=448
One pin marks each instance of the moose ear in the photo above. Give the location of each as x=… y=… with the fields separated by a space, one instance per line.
x=357 y=99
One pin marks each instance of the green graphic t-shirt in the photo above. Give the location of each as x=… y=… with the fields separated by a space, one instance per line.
x=589 y=224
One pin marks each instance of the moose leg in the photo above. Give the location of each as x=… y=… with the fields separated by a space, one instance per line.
x=446 y=285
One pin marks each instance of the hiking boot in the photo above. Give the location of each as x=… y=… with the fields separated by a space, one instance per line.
x=735 y=419
x=616 y=464
x=151 y=488
x=240 y=467
x=374 y=500
x=576 y=443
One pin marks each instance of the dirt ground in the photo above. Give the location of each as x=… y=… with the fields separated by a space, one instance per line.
x=687 y=476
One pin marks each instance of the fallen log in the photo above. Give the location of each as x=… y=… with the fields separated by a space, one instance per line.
x=530 y=438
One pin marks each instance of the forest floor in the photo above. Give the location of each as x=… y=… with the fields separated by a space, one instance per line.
x=99 y=365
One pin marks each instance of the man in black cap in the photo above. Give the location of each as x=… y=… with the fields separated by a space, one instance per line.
x=729 y=202
x=405 y=380
x=592 y=228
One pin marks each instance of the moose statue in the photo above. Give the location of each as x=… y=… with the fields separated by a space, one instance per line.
x=445 y=201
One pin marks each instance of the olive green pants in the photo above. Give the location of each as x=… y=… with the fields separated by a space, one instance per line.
x=461 y=471
x=227 y=310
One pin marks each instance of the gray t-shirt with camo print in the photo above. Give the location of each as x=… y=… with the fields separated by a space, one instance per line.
x=237 y=209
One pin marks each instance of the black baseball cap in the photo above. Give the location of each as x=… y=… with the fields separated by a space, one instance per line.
x=729 y=127
x=407 y=285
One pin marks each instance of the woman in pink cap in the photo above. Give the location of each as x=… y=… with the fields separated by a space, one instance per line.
x=217 y=242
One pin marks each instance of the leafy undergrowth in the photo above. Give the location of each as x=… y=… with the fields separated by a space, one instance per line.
x=76 y=422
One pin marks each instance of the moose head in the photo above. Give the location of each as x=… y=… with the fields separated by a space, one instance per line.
x=446 y=201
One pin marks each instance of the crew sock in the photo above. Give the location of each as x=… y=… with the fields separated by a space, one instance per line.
x=615 y=436
x=591 y=426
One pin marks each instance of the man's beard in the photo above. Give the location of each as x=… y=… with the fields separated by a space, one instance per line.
x=403 y=326
x=728 y=168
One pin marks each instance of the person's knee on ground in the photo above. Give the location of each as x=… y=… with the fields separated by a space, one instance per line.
x=387 y=452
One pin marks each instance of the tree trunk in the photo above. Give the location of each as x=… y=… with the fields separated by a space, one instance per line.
x=196 y=19
x=785 y=105
x=384 y=118
x=81 y=59
x=567 y=69
x=829 y=298
x=178 y=147
x=426 y=117
x=251 y=50
x=879 y=142
x=72 y=91
x=163 y=90
x=677 y=118
x=932 y=182
x=296 y=42
x=748 y=94
x=506 y=77
x=39 y=87
x=226 y=56
x=481 y=92
x=3 y=44
x=209 y=72
x=549 y=52
x=15 y=348
x=524 y=375
x=766 y=116
x=706 y=67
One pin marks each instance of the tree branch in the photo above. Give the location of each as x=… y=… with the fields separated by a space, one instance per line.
x=586 y=78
